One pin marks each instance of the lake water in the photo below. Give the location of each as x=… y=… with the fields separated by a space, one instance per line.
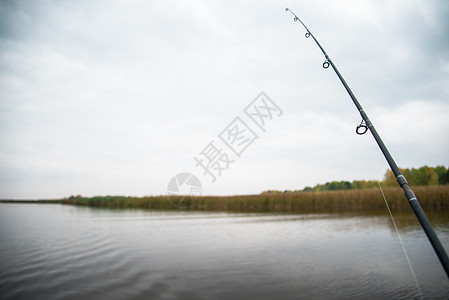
x=51 y=251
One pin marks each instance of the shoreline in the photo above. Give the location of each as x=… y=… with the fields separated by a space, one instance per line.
x=430 y=197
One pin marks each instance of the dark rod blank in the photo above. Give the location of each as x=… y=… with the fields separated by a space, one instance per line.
x=413 y=201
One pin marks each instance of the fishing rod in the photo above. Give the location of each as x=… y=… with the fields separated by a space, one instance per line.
x=362 y=128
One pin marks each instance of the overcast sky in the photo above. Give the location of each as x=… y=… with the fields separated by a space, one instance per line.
x=117 y=97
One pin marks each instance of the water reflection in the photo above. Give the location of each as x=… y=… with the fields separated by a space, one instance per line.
x=64 y=252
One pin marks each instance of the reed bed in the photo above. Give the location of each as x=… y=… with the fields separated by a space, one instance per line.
x=431 y=197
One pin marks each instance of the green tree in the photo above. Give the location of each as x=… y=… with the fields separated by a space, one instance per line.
x=443 y=174
x=389 y=179
x=427 y=176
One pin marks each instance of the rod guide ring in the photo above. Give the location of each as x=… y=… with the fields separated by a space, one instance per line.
x=361 y=129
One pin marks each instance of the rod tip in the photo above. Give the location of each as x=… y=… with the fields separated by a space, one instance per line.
x=287 y=9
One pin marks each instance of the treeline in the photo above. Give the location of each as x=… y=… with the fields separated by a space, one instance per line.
x=423 y=176
x=430 y=197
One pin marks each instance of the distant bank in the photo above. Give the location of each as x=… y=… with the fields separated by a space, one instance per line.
x=430 y=197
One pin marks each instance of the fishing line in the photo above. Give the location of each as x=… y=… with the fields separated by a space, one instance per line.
x=402 y=243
